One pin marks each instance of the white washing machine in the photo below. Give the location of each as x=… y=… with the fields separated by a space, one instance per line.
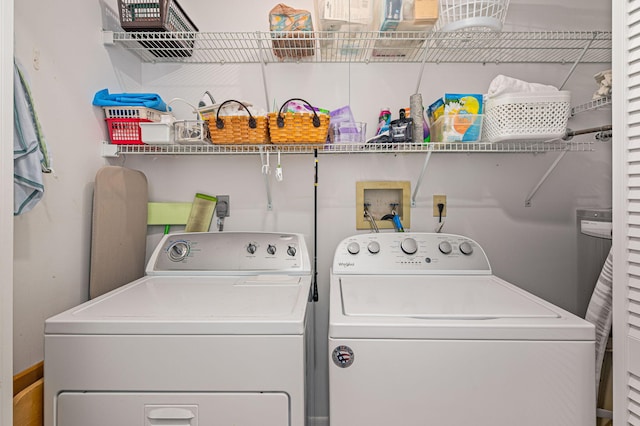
x=216 y=333
x=422 y=333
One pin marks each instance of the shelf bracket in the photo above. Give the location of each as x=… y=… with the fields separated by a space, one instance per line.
x=110 y=150
x=527 y=201
x=107 y=38
x=420 y=178
x=424 y=60
x=575 y=64
x=263 y=61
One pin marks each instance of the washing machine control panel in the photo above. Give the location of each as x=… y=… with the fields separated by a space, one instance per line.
x=221 y=252
x=410 y=253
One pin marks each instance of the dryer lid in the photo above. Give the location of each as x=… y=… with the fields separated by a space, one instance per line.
x=261 y=304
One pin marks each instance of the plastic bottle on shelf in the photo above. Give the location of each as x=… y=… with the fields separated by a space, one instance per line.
x=384 y=119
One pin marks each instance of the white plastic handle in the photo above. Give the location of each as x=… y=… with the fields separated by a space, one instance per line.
x=170 y=416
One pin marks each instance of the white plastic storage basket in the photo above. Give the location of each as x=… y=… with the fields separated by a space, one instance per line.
x=526 y=116
x=458 y=15
x=132 y=112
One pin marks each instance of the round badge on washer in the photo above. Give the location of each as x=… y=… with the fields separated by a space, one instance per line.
x=343 y=356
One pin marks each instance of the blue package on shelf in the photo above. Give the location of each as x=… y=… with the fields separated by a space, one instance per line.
x=148 y=100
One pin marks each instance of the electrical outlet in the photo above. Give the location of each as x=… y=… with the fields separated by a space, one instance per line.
x=223 y=206
x=438 y=199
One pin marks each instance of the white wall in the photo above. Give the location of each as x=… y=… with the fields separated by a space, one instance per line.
x=51 y=245
x=533 y=247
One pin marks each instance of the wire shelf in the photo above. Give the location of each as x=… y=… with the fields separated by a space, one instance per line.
x=602 y=102
x=365 y=47
x=460 y=147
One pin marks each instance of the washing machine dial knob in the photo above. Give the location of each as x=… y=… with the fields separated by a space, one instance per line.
x=291 y=251
x=374 y=247
x=178 y=251
x=466 y=248
x=271 y=249
x=251 y=248
x=353 y=248
x=445 y=247
x=409 y=246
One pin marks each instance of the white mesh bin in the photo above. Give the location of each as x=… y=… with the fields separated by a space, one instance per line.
x=132 y=112
x=526 y=116
x=458 y=15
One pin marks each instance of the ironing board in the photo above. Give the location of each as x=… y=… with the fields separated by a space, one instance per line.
x=118 y=230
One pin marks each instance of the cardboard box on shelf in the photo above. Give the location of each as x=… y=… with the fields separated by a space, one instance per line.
x=426 y=11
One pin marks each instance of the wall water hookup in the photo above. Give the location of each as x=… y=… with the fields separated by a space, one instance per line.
x=382 y=198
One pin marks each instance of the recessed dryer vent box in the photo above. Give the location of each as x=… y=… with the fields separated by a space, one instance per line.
x=381 y=198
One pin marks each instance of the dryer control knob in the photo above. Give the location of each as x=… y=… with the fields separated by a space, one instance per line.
x=374 y=247
x=409 y=246
x=353 y=248
x=445 y=247
x=178 y=251
x=251 y=248
x=466 y=248
x=291 y=251
x=271 y=249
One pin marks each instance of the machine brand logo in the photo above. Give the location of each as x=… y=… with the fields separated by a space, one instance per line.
x=346 y=264
x=343 y=356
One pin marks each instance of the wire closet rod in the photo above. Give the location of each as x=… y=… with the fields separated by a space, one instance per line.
x=571 y=133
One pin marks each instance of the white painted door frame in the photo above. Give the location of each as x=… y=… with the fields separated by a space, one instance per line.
x=626 y=213
x=6 y=212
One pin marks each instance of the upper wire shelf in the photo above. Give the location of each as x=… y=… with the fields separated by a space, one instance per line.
x=365 y=47
x=457 y=147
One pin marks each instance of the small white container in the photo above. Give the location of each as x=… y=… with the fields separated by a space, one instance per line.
x=157 y=133
x=191 y=132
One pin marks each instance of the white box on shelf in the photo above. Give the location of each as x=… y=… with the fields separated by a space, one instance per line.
x=157 y=133
x=530 y=116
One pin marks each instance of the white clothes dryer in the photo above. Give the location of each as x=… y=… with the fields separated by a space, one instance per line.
x=422 y=333
x=217 y=332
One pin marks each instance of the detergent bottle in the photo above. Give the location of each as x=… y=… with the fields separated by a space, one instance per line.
x=384 y=120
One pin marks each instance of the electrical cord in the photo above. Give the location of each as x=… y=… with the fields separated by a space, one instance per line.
x=440 y=222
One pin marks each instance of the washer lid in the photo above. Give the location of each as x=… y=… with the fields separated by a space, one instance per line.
x=448 y=307
x=265 y=304
x=448 y=297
